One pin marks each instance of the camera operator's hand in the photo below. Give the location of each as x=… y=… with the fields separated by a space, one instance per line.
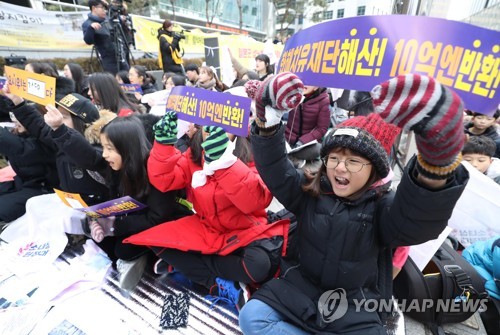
x=96 y=26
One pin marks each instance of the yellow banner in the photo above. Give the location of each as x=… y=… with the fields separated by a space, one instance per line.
x=31 y=86
x=146 y=37
x=246 y=48
x=36 y=29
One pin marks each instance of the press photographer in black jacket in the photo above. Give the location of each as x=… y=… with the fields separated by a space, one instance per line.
x=99 y=31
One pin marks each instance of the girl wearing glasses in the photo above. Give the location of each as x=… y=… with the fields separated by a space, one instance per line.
x=349 y=220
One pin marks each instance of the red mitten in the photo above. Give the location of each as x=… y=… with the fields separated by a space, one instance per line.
x=433 y=111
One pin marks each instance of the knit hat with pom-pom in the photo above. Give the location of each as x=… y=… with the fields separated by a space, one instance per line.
x=369 y=136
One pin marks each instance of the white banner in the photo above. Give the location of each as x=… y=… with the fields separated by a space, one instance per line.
x=476 y=215
x=23 y=27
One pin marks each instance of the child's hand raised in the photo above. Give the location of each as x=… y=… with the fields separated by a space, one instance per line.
x=215 y=144
x=276 y=96
x=165 y=130
x=16 y=100
x=434 y=112
x=53 y=118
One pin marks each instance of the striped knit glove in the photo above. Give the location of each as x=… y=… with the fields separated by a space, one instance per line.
x=276 y=96
x=165 y=130
x=215 y=144
x=434 y=112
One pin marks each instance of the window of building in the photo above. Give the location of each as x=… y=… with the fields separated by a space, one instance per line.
x=316 y=16
x=340 y=13
x=328 y=15
x=361 y=10
x=301 y=18
x=329 y=1
x=254 y=11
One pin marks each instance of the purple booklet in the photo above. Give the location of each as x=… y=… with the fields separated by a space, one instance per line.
x=131 y=88
x=113 y=207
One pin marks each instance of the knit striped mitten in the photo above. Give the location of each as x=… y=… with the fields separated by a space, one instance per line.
x=433 y=111
x=215 y=144
x=275 y=96
x=165 y=130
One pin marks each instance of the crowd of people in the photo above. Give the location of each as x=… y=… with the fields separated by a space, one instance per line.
x=207 y=191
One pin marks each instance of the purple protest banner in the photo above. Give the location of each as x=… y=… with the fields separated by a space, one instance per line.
x=361 y=52
x=114 y=207
x=210 y=108
x=3 y=80
x=131 y=88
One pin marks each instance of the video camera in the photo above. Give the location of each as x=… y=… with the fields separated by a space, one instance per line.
x=180 y=35
x=116 y=8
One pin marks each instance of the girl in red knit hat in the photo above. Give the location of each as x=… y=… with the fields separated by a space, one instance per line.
x=349 y=220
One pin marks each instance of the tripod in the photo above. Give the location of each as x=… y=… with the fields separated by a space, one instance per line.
x=120 y=44
x=120 y=41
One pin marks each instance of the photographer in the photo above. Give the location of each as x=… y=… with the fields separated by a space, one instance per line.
x=170 y=57
x=98 y=30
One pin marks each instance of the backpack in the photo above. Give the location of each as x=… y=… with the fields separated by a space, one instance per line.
x=449 y=286
x=292 y=246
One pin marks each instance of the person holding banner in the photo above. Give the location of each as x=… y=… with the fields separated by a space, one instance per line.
x=228 y=243
x=348 y=218
x=78 y=112
x=170 y=57
x=122 y=160
x=34 y=165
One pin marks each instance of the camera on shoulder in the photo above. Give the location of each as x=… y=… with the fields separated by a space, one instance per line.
x=180 y=35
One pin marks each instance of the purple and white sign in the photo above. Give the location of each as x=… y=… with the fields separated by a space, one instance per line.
x=120 y=206
x=210 y=108
x=361 y=52
x=131 y=88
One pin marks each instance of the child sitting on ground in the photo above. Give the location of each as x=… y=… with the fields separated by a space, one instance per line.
x=479 y=151
x=483 y=125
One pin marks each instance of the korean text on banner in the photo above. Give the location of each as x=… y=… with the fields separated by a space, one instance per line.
x=23 y=27
x=361 y=52
x=115 y=207
x=31 y=86
x=211 y=108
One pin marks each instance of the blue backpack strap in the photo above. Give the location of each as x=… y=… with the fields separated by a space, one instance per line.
x=495 y=253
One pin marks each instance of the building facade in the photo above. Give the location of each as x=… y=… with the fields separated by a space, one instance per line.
x=339 y=9
x=482 y=13
x=223 y=15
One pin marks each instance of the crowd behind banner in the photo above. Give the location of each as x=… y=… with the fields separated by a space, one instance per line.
x=192 y=166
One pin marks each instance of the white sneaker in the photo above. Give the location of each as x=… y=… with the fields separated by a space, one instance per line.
x=130 y=272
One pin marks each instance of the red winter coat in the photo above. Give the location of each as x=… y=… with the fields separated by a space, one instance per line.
x=230 y=207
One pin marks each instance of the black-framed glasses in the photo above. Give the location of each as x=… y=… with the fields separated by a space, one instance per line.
x=352 y=165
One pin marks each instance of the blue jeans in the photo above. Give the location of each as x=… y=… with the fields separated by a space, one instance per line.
x=257 y=317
